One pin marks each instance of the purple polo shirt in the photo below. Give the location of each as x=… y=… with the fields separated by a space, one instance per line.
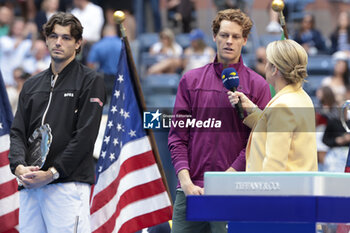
x=216 y=139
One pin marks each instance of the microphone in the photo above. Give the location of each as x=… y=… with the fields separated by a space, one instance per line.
x=230 y=79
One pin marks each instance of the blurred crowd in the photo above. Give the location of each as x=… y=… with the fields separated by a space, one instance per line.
x=164 y=50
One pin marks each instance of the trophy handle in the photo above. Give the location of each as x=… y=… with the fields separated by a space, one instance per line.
x=343 y=115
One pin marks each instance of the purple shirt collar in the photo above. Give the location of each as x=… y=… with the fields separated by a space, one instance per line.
x=218 y=67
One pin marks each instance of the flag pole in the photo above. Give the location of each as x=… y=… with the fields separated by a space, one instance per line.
x=119 y=17
x=278 y=6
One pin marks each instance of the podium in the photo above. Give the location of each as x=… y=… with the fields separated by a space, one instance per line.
x=272 y=202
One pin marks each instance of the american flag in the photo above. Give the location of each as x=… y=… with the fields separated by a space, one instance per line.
x=129 y=194
x=9 y=196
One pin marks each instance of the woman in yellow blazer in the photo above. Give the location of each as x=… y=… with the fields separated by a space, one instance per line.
x=283 y=134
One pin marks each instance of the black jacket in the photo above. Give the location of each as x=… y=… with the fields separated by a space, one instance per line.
x=74 y=117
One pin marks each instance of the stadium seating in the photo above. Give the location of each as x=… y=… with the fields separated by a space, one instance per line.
x=183 y=39
x=267 y=38
x=160 y=90
x=249 y=59
x=210 y=42
x=313 y=83
x=320 y=65
x=146 y=60
x=161 y=101
x=161 y=84
x=296 y=9
x=147 y=40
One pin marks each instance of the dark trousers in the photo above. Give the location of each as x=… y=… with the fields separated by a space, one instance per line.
x=181 y=225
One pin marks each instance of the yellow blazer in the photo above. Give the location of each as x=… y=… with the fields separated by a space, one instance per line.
x=283 y=135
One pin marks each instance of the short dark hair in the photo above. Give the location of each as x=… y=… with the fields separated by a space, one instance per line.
x=65 y=19
x=233 y=15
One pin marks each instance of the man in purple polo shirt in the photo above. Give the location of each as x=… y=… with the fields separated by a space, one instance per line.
x=211 y=136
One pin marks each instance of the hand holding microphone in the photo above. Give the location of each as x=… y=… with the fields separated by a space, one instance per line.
x=237 y=99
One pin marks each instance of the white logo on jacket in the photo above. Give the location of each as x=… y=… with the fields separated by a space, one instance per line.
x=68 y=94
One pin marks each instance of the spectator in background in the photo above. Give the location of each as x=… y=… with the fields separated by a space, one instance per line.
x=260 y=61
x=104 y=56
x=259 y=66
x=340 y=38
x=340 y=78
x=13 y=50
x=199 y=53
x=274 y=26
x=338 y=140
x=20 y=77
x=39 y=58
x=327 y=111
x=168 y=53
x=66 y=5
x=6 y=17
x=48 y=8
x=140 y=7
x=225 y=4
x=92 y=20
x=181 y=11
x=309 y=37
x=91 y=17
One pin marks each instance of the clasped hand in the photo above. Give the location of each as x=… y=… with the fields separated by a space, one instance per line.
x=32 y=177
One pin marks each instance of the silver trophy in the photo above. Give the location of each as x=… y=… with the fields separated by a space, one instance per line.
x=344 y=115
x=39 y=145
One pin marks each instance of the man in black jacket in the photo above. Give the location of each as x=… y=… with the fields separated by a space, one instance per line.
x=67 y=100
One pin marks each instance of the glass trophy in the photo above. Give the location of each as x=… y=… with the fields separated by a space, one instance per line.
x=39 y=145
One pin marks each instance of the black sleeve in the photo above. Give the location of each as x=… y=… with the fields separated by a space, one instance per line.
x=333 y=129
x=18 y=142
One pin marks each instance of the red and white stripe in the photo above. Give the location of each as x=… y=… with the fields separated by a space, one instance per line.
x=9 y=196
x=130 y=194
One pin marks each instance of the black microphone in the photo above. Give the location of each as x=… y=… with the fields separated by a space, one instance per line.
x=230 y=79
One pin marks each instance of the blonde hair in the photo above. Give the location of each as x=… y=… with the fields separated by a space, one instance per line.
x=168 y=33
x=233 y=15
x=290 y=58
